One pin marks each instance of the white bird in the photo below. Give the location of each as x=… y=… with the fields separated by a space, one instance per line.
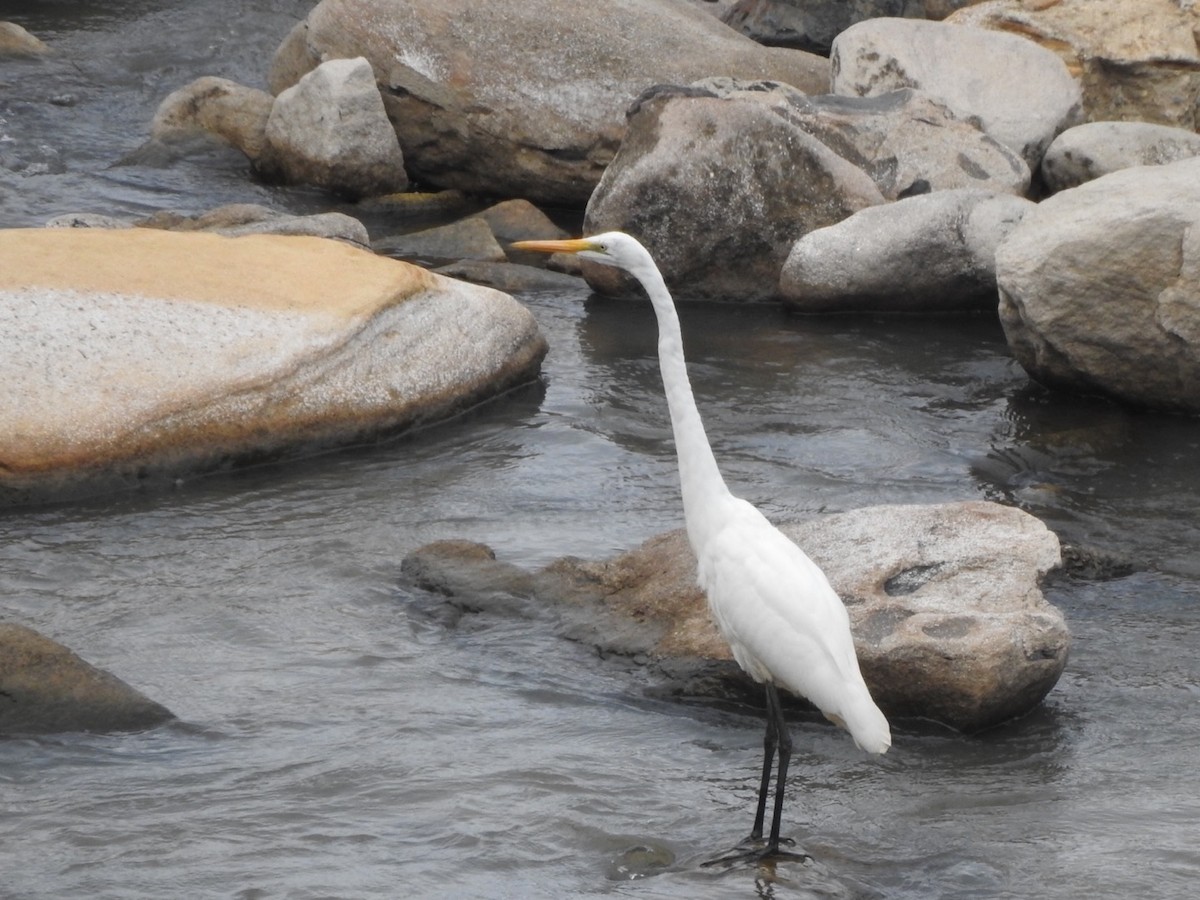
x=784 y=623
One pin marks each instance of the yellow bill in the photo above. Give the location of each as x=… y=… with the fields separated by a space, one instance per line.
x=573 y=246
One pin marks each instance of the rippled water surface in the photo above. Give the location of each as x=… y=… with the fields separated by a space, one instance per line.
x=342 y=735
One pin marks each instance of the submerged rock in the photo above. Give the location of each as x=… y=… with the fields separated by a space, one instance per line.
x=46 y=688
x=944 y=600
x=135 y=352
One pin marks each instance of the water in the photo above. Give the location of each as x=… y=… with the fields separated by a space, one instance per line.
x=342 y=735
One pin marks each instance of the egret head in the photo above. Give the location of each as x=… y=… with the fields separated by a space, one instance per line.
x=613 y=248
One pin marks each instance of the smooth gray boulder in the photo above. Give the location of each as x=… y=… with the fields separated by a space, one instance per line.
x=1100 y=287
x=719 y=189
x=930 y=253
x=46 y=688
x=1021 y=93
x=1093 y=149
x=330 y=130
x=525 y=98
x=945 y=604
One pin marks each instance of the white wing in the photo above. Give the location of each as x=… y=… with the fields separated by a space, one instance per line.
x=783 y=621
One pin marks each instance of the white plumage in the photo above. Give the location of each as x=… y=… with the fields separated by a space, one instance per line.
x=785 y=625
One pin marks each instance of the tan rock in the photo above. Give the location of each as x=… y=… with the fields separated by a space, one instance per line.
x=16 y=41
x=1136 y=60
x=218 y=106
x=45 y=688
x=134 y=351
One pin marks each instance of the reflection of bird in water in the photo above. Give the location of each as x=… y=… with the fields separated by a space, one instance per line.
x=785 y=625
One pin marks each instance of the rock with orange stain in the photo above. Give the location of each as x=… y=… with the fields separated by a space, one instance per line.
x=134 y=352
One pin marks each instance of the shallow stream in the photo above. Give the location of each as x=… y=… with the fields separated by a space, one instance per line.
x=342 y=735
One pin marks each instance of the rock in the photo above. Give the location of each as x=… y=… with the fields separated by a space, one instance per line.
x=237 y=219
x=1088 y=151
x=217 y=106
x=933 y=252
x=45 y=688
x=811 y=24
x=330 y=129
x=1134 y=59
x=16 y=41
x=88 y=220
x=1100 y=287
x=511 y=278
x=139 y=353
x=944 y=603
x=467 y=239
x=519 y=220
x=1021 y=94
x=907 y=141
x=719 y=189
x=535 y=107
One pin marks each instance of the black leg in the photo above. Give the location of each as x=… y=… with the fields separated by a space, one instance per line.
x=769 y=743
x=775 y=712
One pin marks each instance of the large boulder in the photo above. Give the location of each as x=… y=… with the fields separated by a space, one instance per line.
x=132 y=353
x=525 y=98
x=907 y=141
x=46 y=688
x=1088 y=151
x=330 y=130
x=1100 y=287
x=719 y=189
x=1136 y=60
x=948 y=617
x=930 y=253
x=1021 y=94
x=210 y=105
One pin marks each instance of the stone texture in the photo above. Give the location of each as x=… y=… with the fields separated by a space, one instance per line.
x=718 y=190
x=330 y=129
x=1136 y=60
x=1100 y=287
x=1094 y=149
x=132 y=353
x=930 y=253
x=217 y=106
x=465 y=239
x=46 y=688
x=944 y=601
x=16 y=41
x=1020 y=93
x=525 y=98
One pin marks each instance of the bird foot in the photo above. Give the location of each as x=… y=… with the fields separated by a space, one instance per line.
x=754 y=850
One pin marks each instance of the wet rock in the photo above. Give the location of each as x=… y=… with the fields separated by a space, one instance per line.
x=511 y=277
x=1089 y=151
x=46 y=688
x=330 y=130
x=1100 y=287
x=139 y=353
x=535 y=109
x=88 y=220
x=944 y=602
x=1134 y=59
x=210 y=105
x=932 y=252
x=239 y=219
x=719 y=189
x=1020 y=93
x=520 y=220
x=16 y=41
x=466 y=239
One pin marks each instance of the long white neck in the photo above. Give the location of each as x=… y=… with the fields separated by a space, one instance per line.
x=700 y=480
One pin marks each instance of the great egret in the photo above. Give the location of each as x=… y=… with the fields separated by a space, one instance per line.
x=784 y=623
